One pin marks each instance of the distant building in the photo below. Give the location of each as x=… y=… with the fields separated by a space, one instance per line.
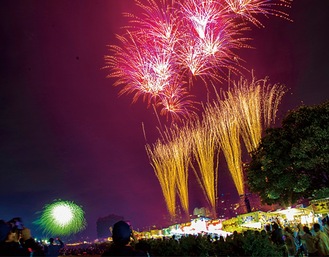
x=201 y=212
x=104 y=225
x=226 y=208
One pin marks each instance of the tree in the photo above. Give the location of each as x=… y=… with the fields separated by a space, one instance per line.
x=292 y=161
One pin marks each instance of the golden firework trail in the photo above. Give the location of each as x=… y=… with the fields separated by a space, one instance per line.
x=165 y=170
x=224 y=122
x=244 y=111
x=180 y=144
x=205 y=152
x=170 y=160
x=271 y=98
x=246 y=103
x=256 y=104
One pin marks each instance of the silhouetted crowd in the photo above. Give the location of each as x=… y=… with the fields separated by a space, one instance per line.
x=16 y=240
x=273 y=241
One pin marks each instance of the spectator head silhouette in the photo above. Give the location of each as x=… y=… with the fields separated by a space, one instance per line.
x=316 y=227
x=275 y=226
x=26 y=234
x=4 y=230
x=306 y=229
x=121 y=233
x=51 y=240
x=268 y=227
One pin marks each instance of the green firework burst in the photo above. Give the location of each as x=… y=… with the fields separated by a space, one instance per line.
x=62 y=218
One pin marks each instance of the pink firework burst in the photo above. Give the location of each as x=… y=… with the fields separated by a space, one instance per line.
x=159 y=22
x=176 y=103
x=201 y=14
x=150 y=73
x=247 y=9
x=171 y=42
x=212 y=48
x=141 y=70
x=147 y=64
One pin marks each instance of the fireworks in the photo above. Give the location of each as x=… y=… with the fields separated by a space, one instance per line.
x=159 y=23
x=255 y=104
x=164 y=168
x=247 y=9
x=201 y=14
x=62 y=218
x=167 y=47
x=180 y=144
x=171 y=42
x=170 y=160
x=247 y=105
x=205 y=152
x=242 y=112
x=271 y=98
x=224 y=121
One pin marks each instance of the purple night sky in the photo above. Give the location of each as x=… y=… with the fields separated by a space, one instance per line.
x=65 y=132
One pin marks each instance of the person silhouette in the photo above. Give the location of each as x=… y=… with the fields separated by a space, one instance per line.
x=122 y=235
x=53 y=250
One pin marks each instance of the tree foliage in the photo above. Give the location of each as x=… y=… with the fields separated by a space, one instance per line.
x=292 y=161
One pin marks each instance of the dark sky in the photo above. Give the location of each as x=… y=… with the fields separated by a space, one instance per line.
x=65 y=133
